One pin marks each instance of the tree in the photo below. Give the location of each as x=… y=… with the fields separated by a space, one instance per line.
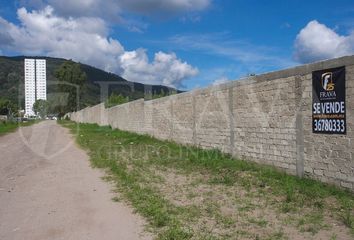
x=164 y=93
x=115 y=99
x=72 y=80
x=40 y=107
x=7 y=107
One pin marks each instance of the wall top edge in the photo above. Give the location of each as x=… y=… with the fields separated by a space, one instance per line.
x=124 y=104
x=285 y=73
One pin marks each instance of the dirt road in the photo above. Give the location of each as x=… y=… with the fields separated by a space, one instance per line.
x=49 y=191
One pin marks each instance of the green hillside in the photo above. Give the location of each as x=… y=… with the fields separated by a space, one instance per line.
x=12 y=82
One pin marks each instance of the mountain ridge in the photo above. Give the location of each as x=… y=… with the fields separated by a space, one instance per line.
x=12 y=81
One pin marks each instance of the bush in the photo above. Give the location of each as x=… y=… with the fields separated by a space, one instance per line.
x=115 y=99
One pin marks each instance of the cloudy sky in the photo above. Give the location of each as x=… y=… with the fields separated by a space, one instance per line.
x=181 y=43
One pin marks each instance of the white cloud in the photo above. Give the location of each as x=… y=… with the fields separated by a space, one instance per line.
x=285 y=25
x=164 y=6
x=220 y=44
x=190 y=18
x=165 y=69
x=112 y=9
x=107 y=9
x=317 y=42
x=86 y=39
x=125 y=12
x=41 y=32
x=221 y=80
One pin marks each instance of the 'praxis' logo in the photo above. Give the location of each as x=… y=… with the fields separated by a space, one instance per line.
x=327 y=81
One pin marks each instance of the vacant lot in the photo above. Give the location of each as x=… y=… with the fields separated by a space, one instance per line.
x=189 y=193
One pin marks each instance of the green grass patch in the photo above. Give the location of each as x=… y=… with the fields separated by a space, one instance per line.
x=128 y=157
x=312 y=222
x=7 y=127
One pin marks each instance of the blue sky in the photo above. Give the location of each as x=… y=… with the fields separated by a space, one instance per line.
x=185 y=43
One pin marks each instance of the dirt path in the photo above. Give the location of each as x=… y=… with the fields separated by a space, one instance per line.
x=49 y=191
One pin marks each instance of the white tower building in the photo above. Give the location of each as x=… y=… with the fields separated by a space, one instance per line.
x=35 y=83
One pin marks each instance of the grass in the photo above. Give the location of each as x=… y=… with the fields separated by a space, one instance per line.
x=185 y=192
x=7 y=127
x=260 y=222
x=312 y=222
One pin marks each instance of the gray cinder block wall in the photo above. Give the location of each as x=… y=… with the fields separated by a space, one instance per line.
x=265 y=118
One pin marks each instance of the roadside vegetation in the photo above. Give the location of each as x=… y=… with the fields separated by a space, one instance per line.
x=185 y=192
x=6 y=127
x=115 y=99
x=164 y=94
x=7 y=107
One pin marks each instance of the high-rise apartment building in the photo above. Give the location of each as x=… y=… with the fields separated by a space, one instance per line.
x=35 y=83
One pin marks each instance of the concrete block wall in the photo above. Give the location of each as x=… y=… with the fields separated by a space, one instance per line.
x=265 y=118
x=128 y=116
x=183 y=125
x=264 y=122
x=148 y=118
x=212 y=118
x=329 y=158
x=162 y=118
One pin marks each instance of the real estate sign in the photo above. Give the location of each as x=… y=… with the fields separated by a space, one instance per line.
x=328 y=101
